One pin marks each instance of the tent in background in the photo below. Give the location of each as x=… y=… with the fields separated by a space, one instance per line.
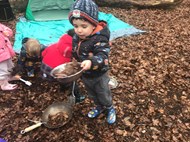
x=46 y=10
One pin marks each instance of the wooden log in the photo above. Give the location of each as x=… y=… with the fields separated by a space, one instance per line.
x=137 y=3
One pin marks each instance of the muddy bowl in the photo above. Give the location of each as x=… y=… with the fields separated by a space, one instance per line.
x=59 y=75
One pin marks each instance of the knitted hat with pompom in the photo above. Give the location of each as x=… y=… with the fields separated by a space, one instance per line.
x=84 y=9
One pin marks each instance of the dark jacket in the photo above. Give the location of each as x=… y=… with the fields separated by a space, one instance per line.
x=95 y=48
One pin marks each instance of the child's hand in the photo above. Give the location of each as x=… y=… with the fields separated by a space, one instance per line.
x=7 y=33
x=17 y=77
x=86 y=64
x=74 y=60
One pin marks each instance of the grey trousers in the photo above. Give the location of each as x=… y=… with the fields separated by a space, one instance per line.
x=98 y=90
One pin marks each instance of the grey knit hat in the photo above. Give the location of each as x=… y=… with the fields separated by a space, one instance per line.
x=84 y=9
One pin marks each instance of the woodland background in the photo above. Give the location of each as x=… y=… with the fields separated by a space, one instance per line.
x=152 y=99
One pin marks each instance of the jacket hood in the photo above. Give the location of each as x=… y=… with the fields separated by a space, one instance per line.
x=102 y=29
x=64 y=42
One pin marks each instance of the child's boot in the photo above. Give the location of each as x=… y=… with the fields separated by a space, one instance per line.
x=96 y=112
x=78 y=96
x=111 y=115
x=30 y=73
x=5 y=85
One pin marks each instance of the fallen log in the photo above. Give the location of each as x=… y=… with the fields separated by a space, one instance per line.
x=138 y=3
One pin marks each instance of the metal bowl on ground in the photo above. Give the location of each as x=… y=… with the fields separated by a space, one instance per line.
x=52 y=110
x=113 y=82
x=58 y=74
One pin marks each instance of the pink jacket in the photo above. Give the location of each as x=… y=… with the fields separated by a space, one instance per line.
x=6 y=49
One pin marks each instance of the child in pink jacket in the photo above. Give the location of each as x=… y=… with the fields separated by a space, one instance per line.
x=6 y=54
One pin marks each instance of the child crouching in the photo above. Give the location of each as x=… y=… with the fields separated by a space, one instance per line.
x=55 y=55
x=29 y=55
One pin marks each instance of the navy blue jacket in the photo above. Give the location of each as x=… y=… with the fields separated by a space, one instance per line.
x=95 y=48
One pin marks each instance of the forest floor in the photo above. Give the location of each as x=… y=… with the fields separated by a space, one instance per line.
x=152 y=99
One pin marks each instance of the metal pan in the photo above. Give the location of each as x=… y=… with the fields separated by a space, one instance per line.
x=53 y=109
x=69 y=78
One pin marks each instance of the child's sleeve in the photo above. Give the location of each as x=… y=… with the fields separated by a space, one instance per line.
x=100 y=55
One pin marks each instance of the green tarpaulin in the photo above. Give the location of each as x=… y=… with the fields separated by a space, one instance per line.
x=48 y=32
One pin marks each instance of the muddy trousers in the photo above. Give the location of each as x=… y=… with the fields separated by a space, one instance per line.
x=98 y=90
